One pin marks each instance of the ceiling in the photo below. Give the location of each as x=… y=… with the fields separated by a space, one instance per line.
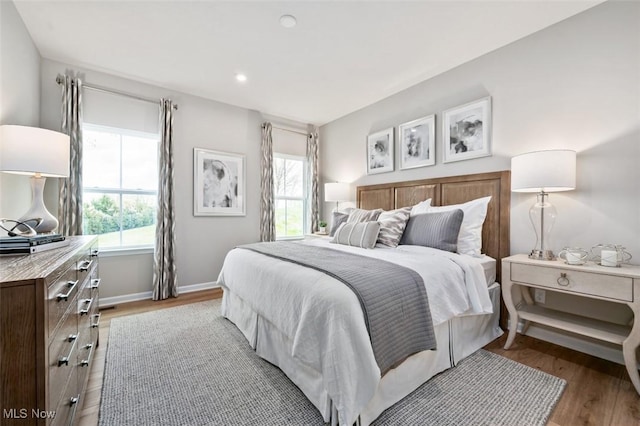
x=340 y=57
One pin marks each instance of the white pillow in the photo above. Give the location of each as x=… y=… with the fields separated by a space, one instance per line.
x=470 y=236
x=421 y=207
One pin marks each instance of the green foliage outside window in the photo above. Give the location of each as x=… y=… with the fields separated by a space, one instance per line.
x=102 y=215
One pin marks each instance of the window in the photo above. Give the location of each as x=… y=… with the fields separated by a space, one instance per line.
x=119 y=186
x=290 y=195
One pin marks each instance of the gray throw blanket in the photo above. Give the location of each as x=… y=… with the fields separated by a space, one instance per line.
x=393 y=298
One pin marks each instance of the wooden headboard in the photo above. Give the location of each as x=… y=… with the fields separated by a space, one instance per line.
x=453 y=190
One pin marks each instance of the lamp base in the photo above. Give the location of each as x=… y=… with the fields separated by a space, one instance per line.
x=542 y=255
x=38 y=210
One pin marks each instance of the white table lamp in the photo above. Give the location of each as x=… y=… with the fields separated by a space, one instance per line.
x=337 y=191
x=543 y=172
x=40 y=153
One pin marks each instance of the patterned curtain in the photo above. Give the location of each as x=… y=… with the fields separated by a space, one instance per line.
x=267 y=210
x=70 y=199
x=312 y=161
x=164 y=262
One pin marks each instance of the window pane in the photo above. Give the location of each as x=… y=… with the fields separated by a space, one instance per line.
x=101 y=216
x=295 y=218
x=139 y=163
x=279 y=176
x=294 y=178
x=281 y=218
x=138 y=220
x=101 y=159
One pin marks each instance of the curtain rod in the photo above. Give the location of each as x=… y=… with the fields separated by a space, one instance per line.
x=289 y=130
x=59 y=80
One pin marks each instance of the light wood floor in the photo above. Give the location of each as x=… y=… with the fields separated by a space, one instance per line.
x=598 y=392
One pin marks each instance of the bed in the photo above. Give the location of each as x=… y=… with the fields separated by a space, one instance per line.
x=315 y=333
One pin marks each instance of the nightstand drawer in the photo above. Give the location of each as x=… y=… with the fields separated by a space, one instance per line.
x=589 y=283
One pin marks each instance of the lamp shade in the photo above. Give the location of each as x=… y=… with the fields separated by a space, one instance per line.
x=30 y=150
x=337 y=191
x=548 y=171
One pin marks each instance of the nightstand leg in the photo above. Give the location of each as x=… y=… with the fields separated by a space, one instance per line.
x=513 y=313
x=629 y=347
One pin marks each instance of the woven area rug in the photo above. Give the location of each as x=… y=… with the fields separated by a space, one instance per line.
x=189 y=366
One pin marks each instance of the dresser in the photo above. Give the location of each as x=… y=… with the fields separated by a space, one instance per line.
x=48 y=332
x=618 y=285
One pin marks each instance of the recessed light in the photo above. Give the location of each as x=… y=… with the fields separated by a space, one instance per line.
x=288 y=21
x=241 y=77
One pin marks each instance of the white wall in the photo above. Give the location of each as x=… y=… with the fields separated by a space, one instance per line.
x=202 y=242
x=19 y=99
x=574 y=85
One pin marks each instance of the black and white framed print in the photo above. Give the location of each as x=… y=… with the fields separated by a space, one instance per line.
x=466 y=131
x=218 y=183
x=417 y=143
x=380 y=152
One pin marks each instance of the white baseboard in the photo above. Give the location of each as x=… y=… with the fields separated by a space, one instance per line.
x=578 y=343
x=125 y=298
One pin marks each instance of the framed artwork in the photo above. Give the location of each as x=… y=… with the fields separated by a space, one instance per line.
x=380 y=152
x=218 y=183
x=466 y=131
x=417 y=143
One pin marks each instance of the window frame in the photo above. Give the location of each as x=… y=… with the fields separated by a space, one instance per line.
x=139 y=248
x=304 y=198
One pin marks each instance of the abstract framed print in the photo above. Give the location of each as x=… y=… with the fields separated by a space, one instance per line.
x=466 y=131
x=417 y=143
x=218 y=183
x=380 y=152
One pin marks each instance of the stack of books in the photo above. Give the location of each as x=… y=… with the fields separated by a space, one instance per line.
x=28 y=245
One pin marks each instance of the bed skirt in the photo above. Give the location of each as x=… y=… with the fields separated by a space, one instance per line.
x=457 y=339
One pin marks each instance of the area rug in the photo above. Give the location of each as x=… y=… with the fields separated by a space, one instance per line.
x=189 y=366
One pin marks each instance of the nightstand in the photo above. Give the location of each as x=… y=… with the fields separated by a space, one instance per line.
x=619 y=285
x=316 y=235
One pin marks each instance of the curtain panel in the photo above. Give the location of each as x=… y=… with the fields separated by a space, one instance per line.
x=70 y=197
x=312 y=161
x=267 y=207
x=165 y=282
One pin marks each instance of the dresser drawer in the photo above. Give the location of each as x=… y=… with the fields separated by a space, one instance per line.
x=87 y=262
x=63 y=356
x=589 y=283
x=67 y=408
x=61 y=295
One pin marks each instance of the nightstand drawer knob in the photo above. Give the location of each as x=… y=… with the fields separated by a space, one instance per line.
x=563 y=280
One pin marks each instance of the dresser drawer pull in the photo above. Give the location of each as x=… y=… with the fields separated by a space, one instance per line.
x=86 y=310
x=95 y=283
x=97 y=323
x=85 y=266
x=563 y=280
x=85 y=362
x=65 y=296
x=73 y=402
x=95 y=253
x=65 y=359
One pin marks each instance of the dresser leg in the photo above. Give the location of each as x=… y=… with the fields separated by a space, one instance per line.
x=629 y=347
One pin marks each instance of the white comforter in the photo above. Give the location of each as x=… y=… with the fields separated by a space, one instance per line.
x=323 y=319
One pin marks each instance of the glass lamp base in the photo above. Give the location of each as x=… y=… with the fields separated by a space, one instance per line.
x=542 y=255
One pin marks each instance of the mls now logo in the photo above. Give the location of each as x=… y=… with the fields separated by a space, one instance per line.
x=23 y=413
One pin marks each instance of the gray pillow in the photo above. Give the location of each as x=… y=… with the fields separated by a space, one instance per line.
x=361 y=215
x=360 y=234
x=337 y=219
x=438 y=230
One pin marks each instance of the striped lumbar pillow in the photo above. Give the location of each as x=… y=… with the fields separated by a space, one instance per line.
x=360 y=234
x=392 y=224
